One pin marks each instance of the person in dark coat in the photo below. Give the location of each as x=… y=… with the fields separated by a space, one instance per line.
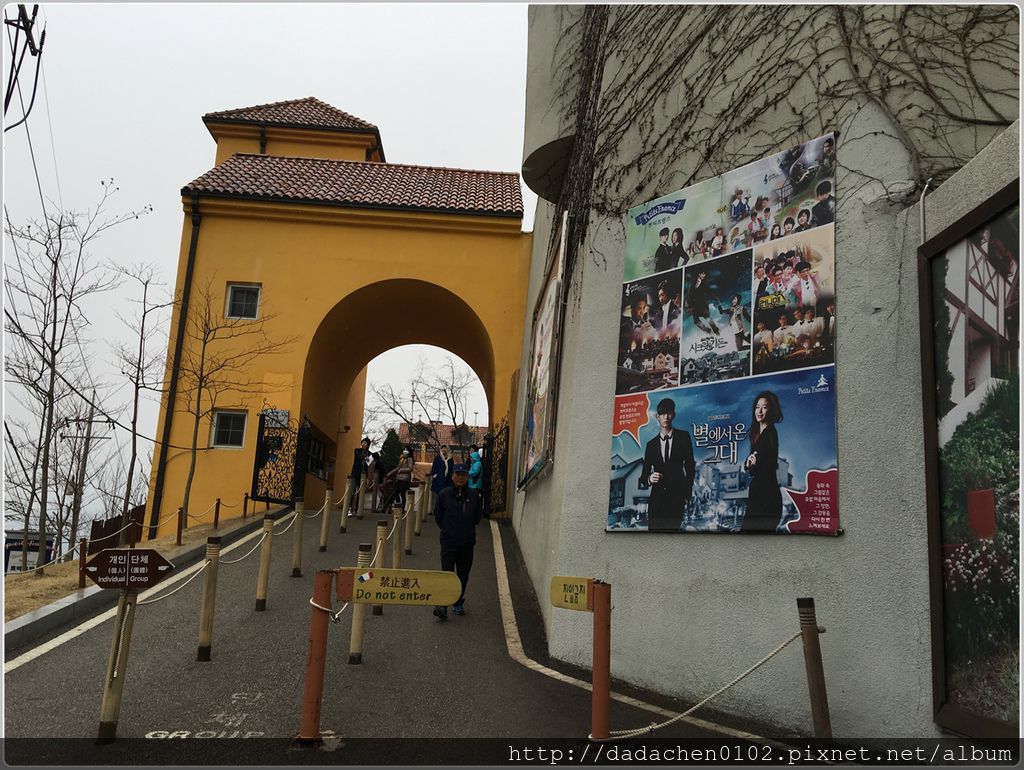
x=668 y=469
x=441 y=470
x=663 y=256
x=359 y=469
x=457 y=510
x=764 y=498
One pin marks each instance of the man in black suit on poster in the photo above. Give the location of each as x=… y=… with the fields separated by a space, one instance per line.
x=668 y=470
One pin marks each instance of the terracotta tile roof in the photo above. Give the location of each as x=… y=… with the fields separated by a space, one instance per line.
x=309 y=112
x=362 y=185
x=474 y=434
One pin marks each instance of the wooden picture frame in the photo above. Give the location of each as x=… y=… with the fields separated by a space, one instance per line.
x=947 y=714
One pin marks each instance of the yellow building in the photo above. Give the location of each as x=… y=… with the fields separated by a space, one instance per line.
x=304 y=255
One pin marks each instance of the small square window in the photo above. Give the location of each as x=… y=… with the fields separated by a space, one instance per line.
x=243 y=301
x=228 y=429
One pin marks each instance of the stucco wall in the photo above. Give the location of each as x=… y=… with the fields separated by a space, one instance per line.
x=691 y=611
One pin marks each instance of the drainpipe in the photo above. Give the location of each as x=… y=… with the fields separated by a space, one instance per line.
x=172 y=390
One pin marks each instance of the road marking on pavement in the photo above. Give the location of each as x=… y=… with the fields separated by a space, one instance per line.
x=515 y=650
x=78 y=630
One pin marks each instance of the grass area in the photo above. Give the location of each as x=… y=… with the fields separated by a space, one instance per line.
x=27 y=591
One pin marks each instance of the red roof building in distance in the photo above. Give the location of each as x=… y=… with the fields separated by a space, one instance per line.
x=427 y=437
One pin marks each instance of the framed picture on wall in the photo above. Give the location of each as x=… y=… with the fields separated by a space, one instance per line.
x=537 y=437
x=970 y=300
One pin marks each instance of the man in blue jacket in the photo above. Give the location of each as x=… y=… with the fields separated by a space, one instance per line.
x=457 y=510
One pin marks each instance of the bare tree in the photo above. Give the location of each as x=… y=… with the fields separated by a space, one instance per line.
x=141 y=361
x=443 y=392
x=46 y=284
x=217 y=362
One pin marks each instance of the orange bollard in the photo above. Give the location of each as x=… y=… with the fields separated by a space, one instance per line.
x=312 y=694
x=181 y=524
x=216 y=514
x=601 y=682
x=81 y=562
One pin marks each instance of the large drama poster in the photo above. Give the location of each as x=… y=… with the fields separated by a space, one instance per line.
x=975 y=306
x=725 y=411
x=537 y=438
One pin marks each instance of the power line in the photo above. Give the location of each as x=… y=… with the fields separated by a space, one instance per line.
x=49 y=121
x=89 y=401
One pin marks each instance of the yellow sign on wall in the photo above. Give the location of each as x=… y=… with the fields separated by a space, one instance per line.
x=572 y=593
x=424 y=588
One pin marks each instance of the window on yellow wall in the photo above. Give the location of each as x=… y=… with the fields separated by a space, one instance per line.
x=228 y=428
x=243 y=300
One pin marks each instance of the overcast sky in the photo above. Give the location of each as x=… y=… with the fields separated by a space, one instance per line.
x=124 y=87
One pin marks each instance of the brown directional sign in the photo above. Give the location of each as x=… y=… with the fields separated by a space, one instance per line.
x=135 y=568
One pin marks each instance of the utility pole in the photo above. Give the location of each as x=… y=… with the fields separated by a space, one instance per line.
x=83 y=461
x=76 y=501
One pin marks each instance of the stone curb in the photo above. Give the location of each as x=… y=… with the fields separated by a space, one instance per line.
x=85 y=601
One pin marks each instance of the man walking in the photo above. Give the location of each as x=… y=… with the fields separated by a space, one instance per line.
x=457 y=510
x=441 y=470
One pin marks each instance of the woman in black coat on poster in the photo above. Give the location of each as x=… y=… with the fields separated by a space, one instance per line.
x=764 y=499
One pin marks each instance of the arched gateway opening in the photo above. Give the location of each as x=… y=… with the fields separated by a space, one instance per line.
x=359 y=328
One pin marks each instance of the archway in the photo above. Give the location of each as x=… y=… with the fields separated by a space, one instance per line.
x=369 y=321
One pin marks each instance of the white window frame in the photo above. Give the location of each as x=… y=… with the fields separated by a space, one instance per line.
x=243 y=285
x=213 y=428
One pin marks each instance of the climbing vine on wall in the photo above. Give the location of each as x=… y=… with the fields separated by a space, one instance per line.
x=663 y=96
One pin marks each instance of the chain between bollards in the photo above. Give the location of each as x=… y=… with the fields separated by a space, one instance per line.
x=209 y=598
x=355 y=648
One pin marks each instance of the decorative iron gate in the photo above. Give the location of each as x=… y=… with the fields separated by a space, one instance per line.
x=496 y=467
x=282 y=453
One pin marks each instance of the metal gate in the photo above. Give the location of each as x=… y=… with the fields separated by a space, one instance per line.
x=496 y=467
x=282 y=452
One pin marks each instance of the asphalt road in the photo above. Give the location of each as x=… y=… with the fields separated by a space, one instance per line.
x=420 y=678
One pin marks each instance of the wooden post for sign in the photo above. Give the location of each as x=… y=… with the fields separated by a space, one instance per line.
x=810 y=630
x=412 y=514
x=326 y=523
x=117 y=666
x=378 y=555
x=181 y=524
x=82 y=548
x=346 y=502
x=355 y=648
x=312 y=694
x=216 y=514
x=600 y=708
x=361 y=503
x=297 y=538
x=396 y=537
x=209 y=598
x=264 y=573
x=245 y=505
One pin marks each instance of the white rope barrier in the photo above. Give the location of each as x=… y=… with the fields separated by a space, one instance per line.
x=618 y=735
x=235 y=561
x=234 y=504
x=333 y=615
x=193 y=577
x=294 y=519
x=58 y=560
x=322 y=507
x=201 y=515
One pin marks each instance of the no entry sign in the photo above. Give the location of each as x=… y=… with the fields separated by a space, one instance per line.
x=136 y=568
